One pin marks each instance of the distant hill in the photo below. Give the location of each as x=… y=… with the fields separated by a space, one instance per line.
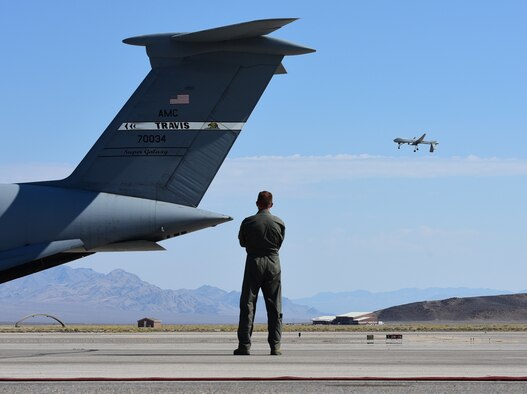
x=500 y=308
x=81 y=295
x=361 y=300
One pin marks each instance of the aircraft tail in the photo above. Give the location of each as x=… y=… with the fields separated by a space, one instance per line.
x=433 y=145
x=169 y=140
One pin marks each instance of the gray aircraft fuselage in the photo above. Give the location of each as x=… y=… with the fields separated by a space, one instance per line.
x=33 y=214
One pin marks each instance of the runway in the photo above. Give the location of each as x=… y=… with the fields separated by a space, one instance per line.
x=337 y=359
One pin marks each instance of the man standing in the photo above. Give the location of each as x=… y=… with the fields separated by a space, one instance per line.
x=261 y=235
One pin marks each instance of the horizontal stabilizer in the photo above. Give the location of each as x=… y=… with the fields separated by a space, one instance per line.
x=248 y=37
x=235 y=32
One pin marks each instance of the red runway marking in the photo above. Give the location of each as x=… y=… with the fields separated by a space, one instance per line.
x=280 y=378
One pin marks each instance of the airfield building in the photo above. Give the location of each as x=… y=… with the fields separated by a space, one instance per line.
x=351 y=318
x=148 y=322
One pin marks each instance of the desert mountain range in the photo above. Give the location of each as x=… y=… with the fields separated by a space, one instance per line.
x=81 y=295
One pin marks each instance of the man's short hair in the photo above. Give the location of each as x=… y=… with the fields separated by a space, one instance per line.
x=265 y=199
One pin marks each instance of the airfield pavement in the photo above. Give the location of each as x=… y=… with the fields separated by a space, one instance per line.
x=313 y=362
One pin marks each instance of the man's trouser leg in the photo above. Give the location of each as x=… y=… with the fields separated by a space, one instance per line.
x=272 y=292
x=248 y=300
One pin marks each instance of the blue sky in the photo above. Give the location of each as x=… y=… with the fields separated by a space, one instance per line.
x=360 y=214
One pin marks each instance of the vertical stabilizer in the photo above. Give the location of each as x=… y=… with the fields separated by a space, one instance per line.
x=169 y=140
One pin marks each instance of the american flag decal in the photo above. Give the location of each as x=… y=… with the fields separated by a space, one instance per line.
x=180 y=99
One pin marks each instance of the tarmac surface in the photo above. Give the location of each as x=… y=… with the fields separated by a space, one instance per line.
x=312 y=362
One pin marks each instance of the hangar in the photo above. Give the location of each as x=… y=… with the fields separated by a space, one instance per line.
x=351 y=318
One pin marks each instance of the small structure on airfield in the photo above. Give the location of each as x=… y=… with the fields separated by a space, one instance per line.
x=323 y=320
x=356 y=318
x=149 y=322
x=352 y=318
x=17 y=324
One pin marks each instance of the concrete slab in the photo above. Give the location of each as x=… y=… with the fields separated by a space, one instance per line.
x=311 y=356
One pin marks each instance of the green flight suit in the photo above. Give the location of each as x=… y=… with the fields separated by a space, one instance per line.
x=261 y=235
